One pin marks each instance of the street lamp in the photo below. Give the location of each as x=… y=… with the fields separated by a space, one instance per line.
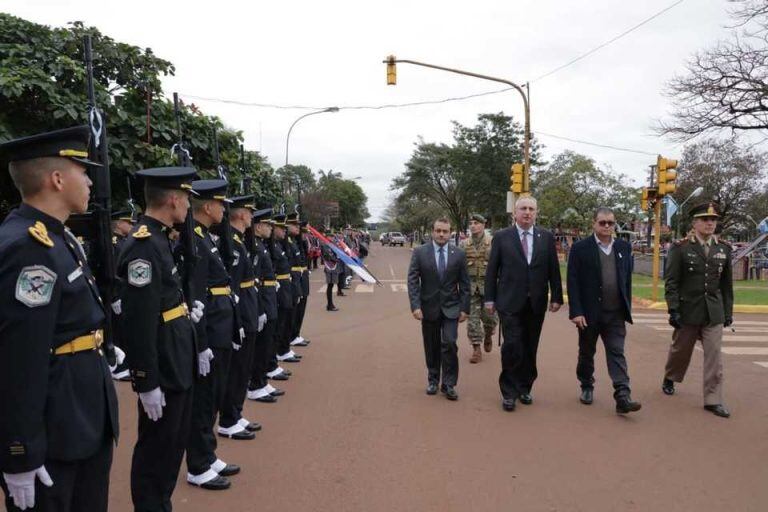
x=680 y=216
x=392 y=61
x=288 y=138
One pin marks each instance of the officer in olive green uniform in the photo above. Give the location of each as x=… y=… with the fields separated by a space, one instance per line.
x=481 y=325
x=699 y=294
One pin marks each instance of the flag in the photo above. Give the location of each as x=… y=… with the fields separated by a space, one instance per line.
x=671 y=208
x=356 y=266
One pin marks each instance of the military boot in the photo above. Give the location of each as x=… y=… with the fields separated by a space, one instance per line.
x=488 y=342
x=477 y=356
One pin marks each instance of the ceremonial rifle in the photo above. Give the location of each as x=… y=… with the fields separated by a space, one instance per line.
x=226 y=248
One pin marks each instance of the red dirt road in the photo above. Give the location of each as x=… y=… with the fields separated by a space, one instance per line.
x=355 y=431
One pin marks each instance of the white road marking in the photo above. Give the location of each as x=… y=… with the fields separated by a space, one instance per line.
x=737 y=324
x=764 y=364
x=322 y=288
x=364 y=288
x=739 y=330
x=399 y=287
x=746 y=351
x=746 y=339
x=392 y=271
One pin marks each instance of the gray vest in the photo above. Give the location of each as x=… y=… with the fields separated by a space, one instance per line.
x=611 y=299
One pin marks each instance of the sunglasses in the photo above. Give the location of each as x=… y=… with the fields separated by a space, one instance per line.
x=606 y=222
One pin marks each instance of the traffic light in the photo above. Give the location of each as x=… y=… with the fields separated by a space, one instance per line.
x=666 y=175
x=644 y=200
x=391 y=70
x=517 y=179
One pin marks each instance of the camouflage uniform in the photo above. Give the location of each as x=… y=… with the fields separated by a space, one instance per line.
x=480 y=324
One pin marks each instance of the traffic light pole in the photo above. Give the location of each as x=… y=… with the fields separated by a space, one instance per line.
x=656 y=250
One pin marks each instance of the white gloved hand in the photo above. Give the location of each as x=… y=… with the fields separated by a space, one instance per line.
x=236 y=297
x=240 y=333
x=117 y=307
x=197 y=312
x=153 y=402
x=277 y=286
x=204 y=359
x=119 y=358
x=21 y=486
x=262 y=322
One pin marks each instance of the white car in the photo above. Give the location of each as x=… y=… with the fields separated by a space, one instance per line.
x=396 y=238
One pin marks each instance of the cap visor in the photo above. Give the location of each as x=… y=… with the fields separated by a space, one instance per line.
x=85 y=161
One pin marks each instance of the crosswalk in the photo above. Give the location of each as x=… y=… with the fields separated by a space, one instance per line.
x=747 y=338
x=396 y=287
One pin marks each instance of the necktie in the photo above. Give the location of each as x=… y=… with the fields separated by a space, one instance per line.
x=441 y=262
x=524 y=241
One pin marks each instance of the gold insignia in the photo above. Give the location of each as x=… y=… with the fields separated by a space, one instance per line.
x=40 y=233
x=237 y=238
x=142 y=232
x=73 y=152
x=199 y=231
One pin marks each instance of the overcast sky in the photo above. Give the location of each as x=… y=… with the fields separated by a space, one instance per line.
x=329 y=54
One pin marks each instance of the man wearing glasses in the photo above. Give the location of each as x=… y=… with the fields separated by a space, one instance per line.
x=600 y=304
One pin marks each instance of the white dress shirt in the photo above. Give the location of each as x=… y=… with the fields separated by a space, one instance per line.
x=607 y=249
x=528 y=239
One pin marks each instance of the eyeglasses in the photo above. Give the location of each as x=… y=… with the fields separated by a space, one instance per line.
x=606 y=222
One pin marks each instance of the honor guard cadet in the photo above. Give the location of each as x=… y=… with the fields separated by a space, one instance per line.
x=481 y=324
x=122 y=224
x=298 y=267
x=285 y=297
x=297 y=233
x=215 y=333
x=699 y=294
x=159 y=337
x=58 y=404
x=259 y=388
x=232 y=424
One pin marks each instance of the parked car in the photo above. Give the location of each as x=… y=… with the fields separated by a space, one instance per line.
x=396 y=238
x=384 y=238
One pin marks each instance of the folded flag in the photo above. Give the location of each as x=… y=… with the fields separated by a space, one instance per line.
x=350 y=261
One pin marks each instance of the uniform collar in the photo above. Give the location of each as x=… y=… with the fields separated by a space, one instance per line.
x=154 y=225
x=52 y=224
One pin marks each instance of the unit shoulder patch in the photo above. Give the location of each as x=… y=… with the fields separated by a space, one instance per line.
x=142 y=232
x=40 y=233
x=139 y=273
x=34 y=286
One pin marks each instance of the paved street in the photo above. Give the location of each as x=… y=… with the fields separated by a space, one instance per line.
x=355 y=431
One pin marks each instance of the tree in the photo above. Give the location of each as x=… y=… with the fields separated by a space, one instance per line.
x=348 y=194
x=731 y=175
x=726 y=86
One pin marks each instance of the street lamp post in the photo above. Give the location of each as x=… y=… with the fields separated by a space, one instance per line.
x=680 y=215
x=288 y=138
x=391 y=80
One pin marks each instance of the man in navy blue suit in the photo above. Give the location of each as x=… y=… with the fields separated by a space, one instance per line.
x=600 y=304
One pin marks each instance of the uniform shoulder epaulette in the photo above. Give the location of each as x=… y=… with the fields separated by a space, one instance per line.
x=724 y=242
x=142 y=232
x=199 y=231
x=40 y=233
x=236 y=237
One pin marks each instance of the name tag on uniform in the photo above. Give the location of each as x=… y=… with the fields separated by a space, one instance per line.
x=720 y=256
x=75 y=274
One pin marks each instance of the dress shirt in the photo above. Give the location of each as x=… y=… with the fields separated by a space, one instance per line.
x=528 y=239
x=437 y=255
x=605 y=248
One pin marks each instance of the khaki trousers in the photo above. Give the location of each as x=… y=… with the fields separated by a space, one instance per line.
x=683 y=341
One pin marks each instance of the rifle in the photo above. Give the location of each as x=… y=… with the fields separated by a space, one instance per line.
x=246 y=182
x=226 y=247
x=187 y=229
x=103 y=263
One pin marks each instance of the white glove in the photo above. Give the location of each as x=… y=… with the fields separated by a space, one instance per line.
x=153 y=402
x=21 y=486
x=262 y=322
x=236 y=297
x=240 y=333
x=204 y=359
x=119 y=358
x=277 y=286
x=117 y=307
x=197 y=312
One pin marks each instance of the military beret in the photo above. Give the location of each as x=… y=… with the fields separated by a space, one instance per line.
x=477 y=217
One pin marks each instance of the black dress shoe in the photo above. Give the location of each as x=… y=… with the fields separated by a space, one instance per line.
x=267 y=399
x=718 y=410
x=217 y=484
x=668 y=387
x=331 y=308
x=253 y=426
x=626 y=405
x=244 y=435
x=508 y=404
x=450 y=393
x=586 y=396
x=277 y=392
x=229 y=470
x=526 y=398
x=280 y=376
x=431 y=389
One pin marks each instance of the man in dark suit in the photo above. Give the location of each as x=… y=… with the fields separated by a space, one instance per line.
x=523 y=270
x=438 y=288
x=600 y=302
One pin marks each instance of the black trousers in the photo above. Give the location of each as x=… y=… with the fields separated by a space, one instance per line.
x=612 y=330
x=208 y=399
x=284 y=330
x=329 y=295
x=158 y=452
x=237 y=382
x=77 y=485
x=298 y=317
x=440 y=349
x=263 y=354
x=521 y=333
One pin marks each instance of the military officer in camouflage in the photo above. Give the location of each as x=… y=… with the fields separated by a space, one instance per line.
x=699 y=294
x=481 y=325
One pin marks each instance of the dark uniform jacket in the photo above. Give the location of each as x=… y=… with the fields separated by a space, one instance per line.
x=699 y=287
x=56 y=407
x=282 y=266
x=262 y=264
x=244 y=285
x=302 y=244
x=294 y=257
x=510 y=281
x=585 y=286
x=426 y=291
x=158 y=352
x=215 y=329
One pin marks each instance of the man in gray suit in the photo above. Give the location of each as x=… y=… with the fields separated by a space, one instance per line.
x=438 y=288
